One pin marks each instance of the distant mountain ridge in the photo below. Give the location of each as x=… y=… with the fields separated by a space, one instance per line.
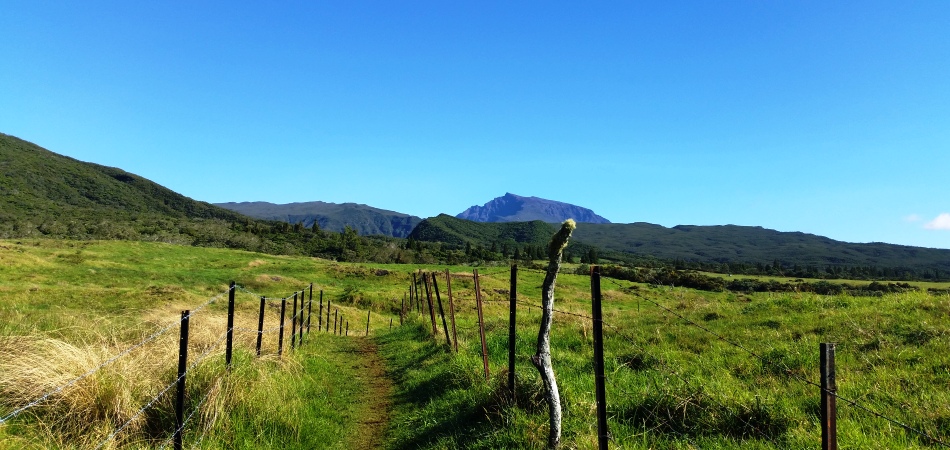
x=515 y=208
x=366 y=220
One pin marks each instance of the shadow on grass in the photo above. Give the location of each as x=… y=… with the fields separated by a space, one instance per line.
x=439 y=400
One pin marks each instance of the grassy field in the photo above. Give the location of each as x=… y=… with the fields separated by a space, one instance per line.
x=673 y=380
x=67 y=307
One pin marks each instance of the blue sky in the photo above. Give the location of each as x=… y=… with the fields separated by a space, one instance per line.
x=831 y=118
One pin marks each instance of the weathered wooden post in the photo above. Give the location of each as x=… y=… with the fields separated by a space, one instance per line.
x=512 y=332
x=335 y=314
x=829 y=388
x=328 y=318
x=230 y=344
x=542 y=358
x=260 y=326
x=182 y=370
x=481 y=323
x=599 y=378
x=367 y=323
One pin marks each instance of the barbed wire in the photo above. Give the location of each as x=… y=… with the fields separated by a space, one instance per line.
x=180 y=429
x=109 y=361
x=162 y=393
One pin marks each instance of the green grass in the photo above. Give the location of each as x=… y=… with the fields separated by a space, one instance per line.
x=670 y=384
x=66 y=307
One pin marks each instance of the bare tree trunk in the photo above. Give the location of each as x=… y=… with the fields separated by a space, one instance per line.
x=542 y=359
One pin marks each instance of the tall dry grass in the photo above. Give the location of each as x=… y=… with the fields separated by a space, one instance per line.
x=112 y=396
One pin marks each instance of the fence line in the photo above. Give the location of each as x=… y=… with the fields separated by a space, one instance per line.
x=109 y=361
x=788 y=371
x=749 y=427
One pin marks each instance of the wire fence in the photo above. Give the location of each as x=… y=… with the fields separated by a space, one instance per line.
x=670 y=416
x=208 y=350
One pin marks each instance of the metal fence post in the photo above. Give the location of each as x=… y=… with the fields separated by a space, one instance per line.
x=230 y=345
x=182 y=370
x=280 y=340
x=512 y=332
x=320 y=316
x=260 y=326
x=438 y=298
x=829 y=428
x=599 y=379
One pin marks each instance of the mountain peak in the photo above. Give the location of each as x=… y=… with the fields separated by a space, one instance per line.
x=515 y=208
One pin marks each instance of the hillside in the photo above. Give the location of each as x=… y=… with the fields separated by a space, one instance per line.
x=366 y=220
x=44 y=194
x=726 y=248
x=515 y=208
x=757 y=245
x=38 y=185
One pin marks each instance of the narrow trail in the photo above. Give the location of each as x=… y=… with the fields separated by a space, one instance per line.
x=376 y=399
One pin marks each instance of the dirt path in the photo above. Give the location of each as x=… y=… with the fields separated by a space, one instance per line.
x=377 y=399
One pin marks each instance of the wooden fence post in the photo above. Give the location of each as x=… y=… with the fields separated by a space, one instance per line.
x=230 y=344
x=293 y=324
x=280 y=340
x=448 y=286
x=347 y=328
x=481 y=323
x=512 y=332
x=328 y=317
x=320 y=316
x=367 y=323
x=829 y=388
x=438 y=298
x=182 y=370
x=260 y=326
x=599 y=379
x=336 y=313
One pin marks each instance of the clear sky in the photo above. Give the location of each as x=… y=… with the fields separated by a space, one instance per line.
x=831 y=118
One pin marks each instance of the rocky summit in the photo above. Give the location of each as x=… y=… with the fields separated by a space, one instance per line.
x=515 y=208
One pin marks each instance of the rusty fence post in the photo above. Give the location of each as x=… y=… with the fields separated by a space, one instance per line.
x=829 y=388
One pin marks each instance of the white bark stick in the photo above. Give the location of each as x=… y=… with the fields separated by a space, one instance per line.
x=542 y=359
